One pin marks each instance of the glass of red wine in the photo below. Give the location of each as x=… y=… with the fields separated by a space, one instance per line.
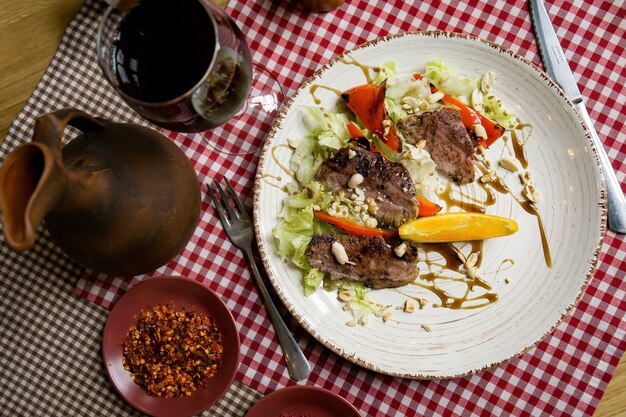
x=184 y=65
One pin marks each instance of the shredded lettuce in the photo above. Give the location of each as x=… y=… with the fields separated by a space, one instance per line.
x=359 y=300
x=327 y=132
x=319 y=120
x=386 y=71
x=445 y=79
x=422 y=169
x=297 y=226
x=408 y=86
x=307 y=157
x=312 y=280
x=405 y=90
x=494 y=110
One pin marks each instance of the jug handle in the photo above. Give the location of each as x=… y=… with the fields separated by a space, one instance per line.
x=32 y=179
x=49 y=128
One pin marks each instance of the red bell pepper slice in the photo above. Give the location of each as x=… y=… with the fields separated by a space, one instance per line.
x=391 y=139
x=427 y=207
x=364 y=101
x=367 y=102
x=494 y=131
x=353 y=228
x=357 y=135
x=355 y=132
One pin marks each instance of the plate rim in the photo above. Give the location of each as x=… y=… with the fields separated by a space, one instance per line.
x=277 y=126
x=139 y=287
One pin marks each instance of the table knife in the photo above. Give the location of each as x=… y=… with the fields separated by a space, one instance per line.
x=558 y=69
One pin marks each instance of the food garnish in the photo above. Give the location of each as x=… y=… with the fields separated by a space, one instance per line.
x=427 y=207
x=353 y=228
x=355 y=132
x=367 y=102
x=366 y=200
x=457 y=227
x=171 y=352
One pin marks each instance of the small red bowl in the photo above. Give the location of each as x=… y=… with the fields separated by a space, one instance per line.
x=303 y=400
x=179 y=292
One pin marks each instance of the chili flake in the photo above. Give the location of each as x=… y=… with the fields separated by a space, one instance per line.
x=171 y=353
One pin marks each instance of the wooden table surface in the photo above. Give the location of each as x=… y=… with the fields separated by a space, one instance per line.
x=30 y=31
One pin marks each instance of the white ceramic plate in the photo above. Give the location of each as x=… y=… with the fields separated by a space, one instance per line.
x=565 y=169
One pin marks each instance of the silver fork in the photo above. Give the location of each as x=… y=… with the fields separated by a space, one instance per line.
x=239 y=229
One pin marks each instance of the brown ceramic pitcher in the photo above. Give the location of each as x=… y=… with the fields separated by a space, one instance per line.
x=120 y=199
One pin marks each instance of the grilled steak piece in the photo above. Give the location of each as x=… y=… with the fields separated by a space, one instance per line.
x=389 y=184
x=375 y=262
x=446 y=139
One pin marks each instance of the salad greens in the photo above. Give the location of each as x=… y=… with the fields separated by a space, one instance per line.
x=297 y=226
x=445 y=79
x=327 y=132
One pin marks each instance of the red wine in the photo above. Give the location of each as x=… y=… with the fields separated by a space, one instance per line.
x=161 y=54
x=163 y=49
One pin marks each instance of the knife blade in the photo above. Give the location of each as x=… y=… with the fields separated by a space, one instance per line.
x=558 y=69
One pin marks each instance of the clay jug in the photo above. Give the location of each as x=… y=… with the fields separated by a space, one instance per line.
x=119 y=198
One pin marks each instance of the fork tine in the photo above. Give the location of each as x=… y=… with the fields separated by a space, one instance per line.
x=231 y=211
x=218 y=207
x=242 y=209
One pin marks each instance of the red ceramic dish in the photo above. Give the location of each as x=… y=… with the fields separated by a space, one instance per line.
x=303 y=401
x=181 y=292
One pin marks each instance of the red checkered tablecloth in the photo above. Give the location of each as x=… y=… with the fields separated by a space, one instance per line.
x=565 y=374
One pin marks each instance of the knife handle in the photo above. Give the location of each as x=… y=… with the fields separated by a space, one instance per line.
x=616 y=199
